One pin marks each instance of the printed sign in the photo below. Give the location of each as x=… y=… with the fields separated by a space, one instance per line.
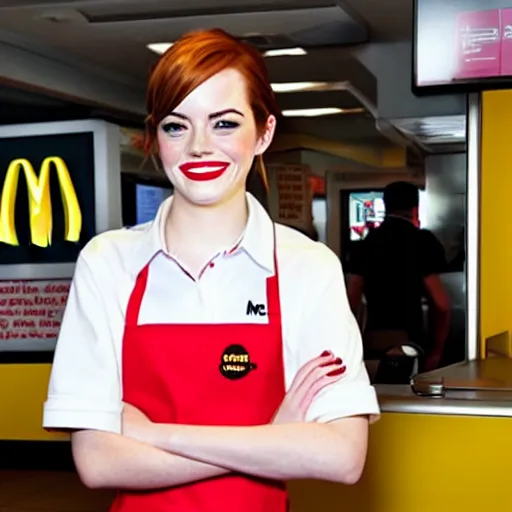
x=31 y=313
x=479 y=43
x=293 y=197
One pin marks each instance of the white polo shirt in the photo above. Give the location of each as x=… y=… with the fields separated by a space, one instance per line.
x=85 y=390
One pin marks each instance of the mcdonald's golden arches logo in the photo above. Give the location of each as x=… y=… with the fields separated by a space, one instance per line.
x=39 y=201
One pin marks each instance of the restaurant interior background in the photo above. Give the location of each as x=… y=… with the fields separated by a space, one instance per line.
x=358 y=60
x=381 y=131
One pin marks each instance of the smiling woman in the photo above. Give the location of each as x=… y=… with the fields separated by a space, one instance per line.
x=210 y=347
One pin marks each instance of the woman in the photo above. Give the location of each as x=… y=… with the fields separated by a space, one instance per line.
x=180 y=332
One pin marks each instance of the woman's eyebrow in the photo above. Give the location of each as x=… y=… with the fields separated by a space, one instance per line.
x=226 y=111
x=215 y=115
x=177 y=114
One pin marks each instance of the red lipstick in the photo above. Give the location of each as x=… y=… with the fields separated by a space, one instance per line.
x=190 y=170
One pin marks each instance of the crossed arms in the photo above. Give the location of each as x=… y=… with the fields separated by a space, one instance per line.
x=152 y=456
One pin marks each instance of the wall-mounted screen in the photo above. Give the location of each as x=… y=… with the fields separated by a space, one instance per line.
x=148 y=200
x=59 y=187
x=463 y=45
x=141 y=197
x=365 y=211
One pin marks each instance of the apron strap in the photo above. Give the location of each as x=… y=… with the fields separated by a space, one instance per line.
x=273 y=299
x=135 y=301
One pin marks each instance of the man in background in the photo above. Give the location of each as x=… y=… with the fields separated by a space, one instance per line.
x=395 y=267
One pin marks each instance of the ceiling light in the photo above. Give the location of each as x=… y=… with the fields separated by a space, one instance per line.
x=285 y=52
x=298 y=86
x=159 y=47
x=315 y=112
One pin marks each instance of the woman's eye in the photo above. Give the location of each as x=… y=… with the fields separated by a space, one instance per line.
x=226 y=125
x=173 y=128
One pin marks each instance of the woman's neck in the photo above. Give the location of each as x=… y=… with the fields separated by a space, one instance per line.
x=195 y=233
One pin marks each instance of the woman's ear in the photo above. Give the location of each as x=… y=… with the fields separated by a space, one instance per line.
x=266 y=138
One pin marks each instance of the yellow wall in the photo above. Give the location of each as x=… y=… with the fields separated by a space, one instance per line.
x=23 y=389
x=419 y=463
x=496 y=228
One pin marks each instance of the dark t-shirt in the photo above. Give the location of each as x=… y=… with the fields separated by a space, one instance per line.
x=394 y=259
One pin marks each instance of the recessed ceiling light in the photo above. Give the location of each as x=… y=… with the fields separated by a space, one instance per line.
x=315 y=112
x=159 y=47
x=298 y=86
x=283 y=52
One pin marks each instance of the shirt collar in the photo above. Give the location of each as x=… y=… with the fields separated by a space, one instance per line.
x=257 y=239
x=259 y=236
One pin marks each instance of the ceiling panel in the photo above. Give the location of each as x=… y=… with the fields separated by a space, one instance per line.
x=348 y=128
x=65 y=30
x=112 y=35
x=154 y=9
x=338 y=99
x=389 y=20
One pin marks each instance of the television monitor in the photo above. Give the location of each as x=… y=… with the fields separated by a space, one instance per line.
x=141 y=197
x=462 y=45
x=59 y=186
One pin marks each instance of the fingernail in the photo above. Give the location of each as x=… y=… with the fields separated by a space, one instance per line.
x=326 y=353
x=339 y=371
x=337 y=361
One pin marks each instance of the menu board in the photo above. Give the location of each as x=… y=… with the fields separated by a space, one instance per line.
x=463 y=42
x=31 y=314
x=293 y=196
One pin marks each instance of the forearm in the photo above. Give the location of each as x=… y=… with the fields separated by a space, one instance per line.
x=280 y=452
x=111 y=461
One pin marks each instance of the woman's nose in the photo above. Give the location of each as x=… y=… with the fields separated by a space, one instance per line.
x=200 y=143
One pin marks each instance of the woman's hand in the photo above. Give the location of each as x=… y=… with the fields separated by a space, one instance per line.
x=136 y=425
x=312 y=377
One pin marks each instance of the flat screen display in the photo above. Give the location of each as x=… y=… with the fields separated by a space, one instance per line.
x=462 y=44
x=148 y=200
x=365 y=211
x=141 y=196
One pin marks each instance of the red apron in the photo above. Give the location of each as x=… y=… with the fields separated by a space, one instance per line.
x=205 y=374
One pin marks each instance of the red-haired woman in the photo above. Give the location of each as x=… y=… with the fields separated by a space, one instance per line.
x=209 y=356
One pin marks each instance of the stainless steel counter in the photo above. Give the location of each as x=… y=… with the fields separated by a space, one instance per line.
x=475 y=388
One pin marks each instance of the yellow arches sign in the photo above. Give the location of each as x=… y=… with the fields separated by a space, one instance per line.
x=39 y=201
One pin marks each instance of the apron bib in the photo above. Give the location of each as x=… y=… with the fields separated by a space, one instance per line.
x=205 y=374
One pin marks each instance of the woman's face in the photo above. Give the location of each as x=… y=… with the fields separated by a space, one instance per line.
x=207 y=144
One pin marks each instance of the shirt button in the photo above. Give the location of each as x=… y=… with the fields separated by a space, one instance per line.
x=212 y=264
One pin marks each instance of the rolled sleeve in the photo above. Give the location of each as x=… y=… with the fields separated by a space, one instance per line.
x=84 y=390
x=328 y=324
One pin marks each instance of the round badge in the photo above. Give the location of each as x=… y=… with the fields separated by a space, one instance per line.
x=236 y=362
